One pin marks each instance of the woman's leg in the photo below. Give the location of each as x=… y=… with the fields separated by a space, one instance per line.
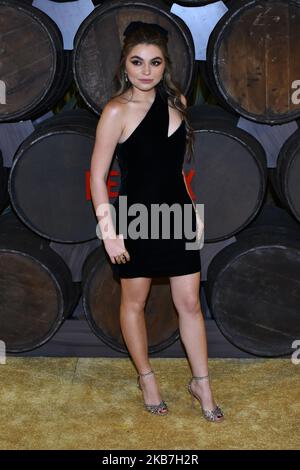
x=134 y=293
x=185 y=294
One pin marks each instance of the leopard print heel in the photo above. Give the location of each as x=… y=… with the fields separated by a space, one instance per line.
x=161 y=408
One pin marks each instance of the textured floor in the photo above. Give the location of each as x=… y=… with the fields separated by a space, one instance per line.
x=71 y=403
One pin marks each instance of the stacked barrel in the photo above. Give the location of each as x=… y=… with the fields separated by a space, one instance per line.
x=251 y=201
x=37 y=292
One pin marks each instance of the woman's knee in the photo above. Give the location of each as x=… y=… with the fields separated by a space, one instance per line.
x=186 y=293
x=134 y=295
x=133 y=305
x=187 y=304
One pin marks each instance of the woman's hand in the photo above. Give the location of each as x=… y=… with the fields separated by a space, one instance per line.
x=116 y=249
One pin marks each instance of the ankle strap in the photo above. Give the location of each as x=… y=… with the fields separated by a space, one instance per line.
x=200 y=378
x=147 y=373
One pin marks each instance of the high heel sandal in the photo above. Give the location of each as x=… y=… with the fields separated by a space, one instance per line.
x=162 y=408
x=216 y=415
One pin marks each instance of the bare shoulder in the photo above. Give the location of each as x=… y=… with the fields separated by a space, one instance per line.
x=114 y=107
x=112 y=116
x=115 y=110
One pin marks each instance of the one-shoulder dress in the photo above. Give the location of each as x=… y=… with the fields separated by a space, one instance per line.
x=151 y=164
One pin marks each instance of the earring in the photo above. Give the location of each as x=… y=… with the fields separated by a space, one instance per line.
x=126 y=77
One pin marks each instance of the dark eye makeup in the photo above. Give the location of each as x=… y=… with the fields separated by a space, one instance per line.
x=137 y=62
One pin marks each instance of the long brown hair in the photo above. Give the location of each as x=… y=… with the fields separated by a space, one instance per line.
x=150 y=35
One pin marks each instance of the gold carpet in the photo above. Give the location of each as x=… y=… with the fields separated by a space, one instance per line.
x=94 y=403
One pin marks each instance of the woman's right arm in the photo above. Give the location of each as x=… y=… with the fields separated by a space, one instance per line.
x=108 y=132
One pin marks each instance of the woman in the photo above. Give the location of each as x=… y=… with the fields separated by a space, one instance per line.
x=146 y=120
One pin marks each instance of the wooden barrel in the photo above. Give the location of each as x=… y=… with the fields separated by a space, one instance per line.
x=252 y=287
x=228 y=174
x=253 y=59
x=271 y=219
x=62 y=83
x=34 y=68
x=102 y=30
x=285 y=178
x=204 y=113
x=36 y=289
x=75 y=254
x=101 y=302
x=49 y=179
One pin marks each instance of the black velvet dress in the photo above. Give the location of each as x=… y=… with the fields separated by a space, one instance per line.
x=151 y=173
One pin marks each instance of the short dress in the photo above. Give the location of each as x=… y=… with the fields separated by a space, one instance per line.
x=151 y=166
